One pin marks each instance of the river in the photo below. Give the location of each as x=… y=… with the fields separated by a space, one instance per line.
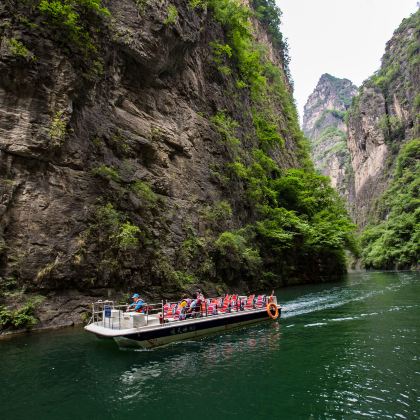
x=341 y=350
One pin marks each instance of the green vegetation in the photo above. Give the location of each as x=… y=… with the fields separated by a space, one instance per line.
x=330 y=132
x=267 y=130
x=127 y=236
x=392 y=241
x=23 y=317
x=71 y=19
x=386 y=75
x=145 y=193
x=172 y=15
x=227 y=127
x=120 y=144
x=300 y=219
x=114 y=230
x=218 y=212
x=8 y=285
x=107 y=172
x=392 y=127
x=269 y=14
x=194 y=4
x=17 y=49
x=221 y=55
x=183 y=279
x=265 y=81
x=235 y=255
x=58 y=129
x=141 y=5
x=300 y=214
x=191 y=248
x=341 y=115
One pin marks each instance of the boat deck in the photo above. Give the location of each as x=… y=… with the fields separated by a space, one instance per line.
x=101 y=328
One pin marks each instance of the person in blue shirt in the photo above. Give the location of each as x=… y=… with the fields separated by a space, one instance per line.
x=137 y=304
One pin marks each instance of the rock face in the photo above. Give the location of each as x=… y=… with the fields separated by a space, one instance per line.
x=324 y=125
x=106 y=140
x=384 y=116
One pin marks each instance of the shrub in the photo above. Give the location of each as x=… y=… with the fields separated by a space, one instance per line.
x=172 y=15
x=114 y=230
x=58 y=128
x=221 y=55
x=127 y=236
x=392 y=127
x=386 y=75
x=191 y=248
x=6 y=317
x=235 y=254
x=108 y=217
x=220 y=211
x=193 y=4
x=23 y=317
x=70 y=18
x=17 y=49
x=141 y=5
x=145 y=193
x=226 y=126
x=184 y=278
x=267 y=130
x=107 y=172
x=298 y=210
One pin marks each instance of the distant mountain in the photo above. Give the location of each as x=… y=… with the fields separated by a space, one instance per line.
x=324 y=125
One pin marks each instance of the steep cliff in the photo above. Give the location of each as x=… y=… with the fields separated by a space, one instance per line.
x=324 y=125
x=148 y=145
x=383 y=126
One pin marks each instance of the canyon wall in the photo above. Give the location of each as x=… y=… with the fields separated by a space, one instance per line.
x=383 y=116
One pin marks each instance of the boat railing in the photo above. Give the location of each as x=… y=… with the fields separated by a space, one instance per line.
x=240 y=304
x=109 y=315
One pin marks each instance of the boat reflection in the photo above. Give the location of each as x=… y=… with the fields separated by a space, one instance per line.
x=183 y=361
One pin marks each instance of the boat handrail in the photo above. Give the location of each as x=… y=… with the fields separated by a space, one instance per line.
x=102 y=308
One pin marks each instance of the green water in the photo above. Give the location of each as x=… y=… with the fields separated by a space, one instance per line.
x=343 y=350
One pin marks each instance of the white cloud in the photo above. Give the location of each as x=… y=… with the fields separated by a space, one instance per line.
x=345 y=38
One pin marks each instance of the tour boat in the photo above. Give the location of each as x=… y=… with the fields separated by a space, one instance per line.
x=162 y=323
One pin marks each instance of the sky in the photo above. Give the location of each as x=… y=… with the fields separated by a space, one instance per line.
x=345 y=38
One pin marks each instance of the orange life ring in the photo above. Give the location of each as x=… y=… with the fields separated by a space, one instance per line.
x=270 y=307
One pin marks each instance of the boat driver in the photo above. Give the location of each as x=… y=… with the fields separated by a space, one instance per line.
x=137 y=304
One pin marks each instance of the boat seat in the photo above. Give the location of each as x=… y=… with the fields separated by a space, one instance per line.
x=250 y=302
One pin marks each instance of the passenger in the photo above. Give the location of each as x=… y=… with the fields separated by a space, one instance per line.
x=184 y=302
x=200 y=295
x=193 y=305
x=182 y=314
x=198 y=301
x=137 y=305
